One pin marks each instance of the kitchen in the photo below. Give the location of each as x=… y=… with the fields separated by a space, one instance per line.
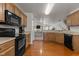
x=26 y=30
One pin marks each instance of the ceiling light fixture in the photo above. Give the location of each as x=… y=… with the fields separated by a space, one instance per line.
x=49 y=7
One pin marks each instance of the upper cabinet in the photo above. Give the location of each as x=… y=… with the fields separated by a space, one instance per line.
x=21 y=15
x=2 y=10
x=69 y=19
x=73 y=19
x=10 y=7
x=23 y=19
x=17 y=11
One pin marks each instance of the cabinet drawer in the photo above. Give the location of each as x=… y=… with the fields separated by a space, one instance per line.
x=6 y=45
x=8 y=52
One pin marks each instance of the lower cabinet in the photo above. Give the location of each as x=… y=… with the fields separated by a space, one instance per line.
x=49 y=36
x=7 y=48
x=9 y=52
x=75 y=42
x=60 y=37
x=27 y=39
x=54 y=37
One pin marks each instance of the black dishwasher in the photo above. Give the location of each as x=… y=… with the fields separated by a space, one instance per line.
x=68 y=41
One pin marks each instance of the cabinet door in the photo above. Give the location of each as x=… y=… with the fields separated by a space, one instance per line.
x=45 y=36
x=75 y=42
x=27 y=40
x=21 y=15
x=75 y=19
x=17 y=11
x=9 y=52
x=69 y=21
x=2 y=14
x=10 y=7
x=6 y=45
x=60 y=37
x=51 y=36
x=25 y=20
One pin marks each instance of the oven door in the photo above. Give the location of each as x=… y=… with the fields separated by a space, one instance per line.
x=20 y=43
x=7 y=32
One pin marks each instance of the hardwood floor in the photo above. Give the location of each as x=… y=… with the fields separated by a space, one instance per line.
x=40 y=48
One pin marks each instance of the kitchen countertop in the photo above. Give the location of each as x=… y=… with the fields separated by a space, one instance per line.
x=65 y=32
x=5 y=39
x=27 y=33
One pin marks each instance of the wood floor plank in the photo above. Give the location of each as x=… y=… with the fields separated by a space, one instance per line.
x=40 y=48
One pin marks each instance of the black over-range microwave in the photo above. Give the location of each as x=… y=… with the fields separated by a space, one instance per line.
x=12 y=19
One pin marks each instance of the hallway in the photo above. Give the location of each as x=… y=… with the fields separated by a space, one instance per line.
x=40 y=48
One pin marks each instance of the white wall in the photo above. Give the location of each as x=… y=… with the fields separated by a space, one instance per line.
x=48 y=23
x=51 y=23
x=29 y=21
x=29 y=25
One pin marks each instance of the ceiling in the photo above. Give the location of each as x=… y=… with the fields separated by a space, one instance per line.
x=59 y=12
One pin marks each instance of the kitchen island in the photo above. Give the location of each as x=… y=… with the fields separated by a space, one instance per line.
x=59 y=37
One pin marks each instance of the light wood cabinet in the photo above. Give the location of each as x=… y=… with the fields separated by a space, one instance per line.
x=75 y=42
x=27 y=39
x=9 y=52
x=21 y=15
x=3 y=7
x=17 y=11
x=49 y=36
x=10 y=7
x=6 y=45
x=73 y=19
x=59 y=37
x=25 y=20
x=45 y=36
x=2 y=14
x=7 y=48
x=69 y=19
x=54 y=37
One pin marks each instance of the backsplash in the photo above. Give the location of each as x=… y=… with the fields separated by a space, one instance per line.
x=75 y=29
